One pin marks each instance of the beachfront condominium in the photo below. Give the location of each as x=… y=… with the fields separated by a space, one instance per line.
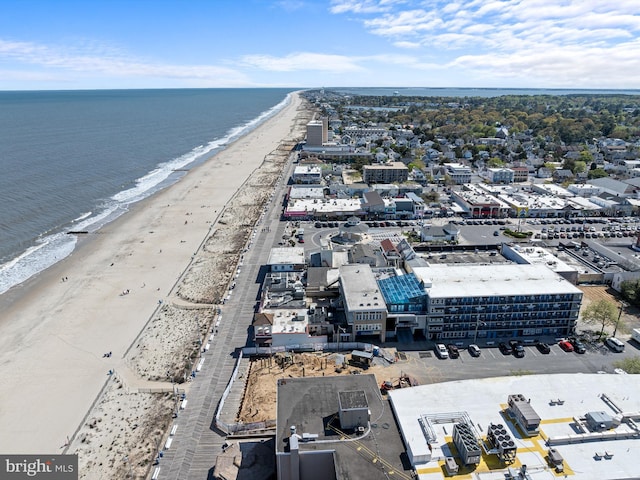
x=317 y=132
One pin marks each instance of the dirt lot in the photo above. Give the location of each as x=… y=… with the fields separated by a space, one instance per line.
x=593 y=293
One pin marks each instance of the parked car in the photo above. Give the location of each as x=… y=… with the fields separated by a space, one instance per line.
x=453 y=351
x=614 y=344
x=565 y=345
x=504 y=348
x=578 y=346
x=543 y=348
x=441 y=351
x=517 y=348
x=474 y=350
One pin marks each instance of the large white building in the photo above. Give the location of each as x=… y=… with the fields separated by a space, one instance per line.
x=498 y=302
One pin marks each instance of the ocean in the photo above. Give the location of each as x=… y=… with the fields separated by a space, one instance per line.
x=75 y=160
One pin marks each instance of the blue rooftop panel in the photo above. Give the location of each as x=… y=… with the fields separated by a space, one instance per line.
x=400 y=289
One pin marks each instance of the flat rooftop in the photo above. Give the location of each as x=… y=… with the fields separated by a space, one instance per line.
x=311 y=405
x=485 y=401
x=499 y=279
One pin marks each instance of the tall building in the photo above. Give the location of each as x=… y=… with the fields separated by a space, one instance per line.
x=317 y=132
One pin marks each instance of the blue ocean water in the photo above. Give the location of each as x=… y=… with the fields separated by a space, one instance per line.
x=74 y=160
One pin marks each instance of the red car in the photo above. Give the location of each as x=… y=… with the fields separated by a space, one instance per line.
x=566 y=345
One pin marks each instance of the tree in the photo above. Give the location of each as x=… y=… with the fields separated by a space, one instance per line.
x=597 y=173
x=603 y=313
x=494 y=162
x=630 y=290
x=579 y=167
x=629 y=365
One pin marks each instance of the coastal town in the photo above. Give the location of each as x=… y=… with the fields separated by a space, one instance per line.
x=375 y=298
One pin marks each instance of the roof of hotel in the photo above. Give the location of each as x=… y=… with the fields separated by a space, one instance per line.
x=485 y=401
x=453 y=281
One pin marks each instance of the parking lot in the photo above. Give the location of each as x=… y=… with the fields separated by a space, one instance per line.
x=427 y=367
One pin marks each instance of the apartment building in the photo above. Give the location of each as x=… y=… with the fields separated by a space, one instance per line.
x=385 y=173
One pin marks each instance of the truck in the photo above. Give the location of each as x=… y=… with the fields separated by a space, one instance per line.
x=635 y=335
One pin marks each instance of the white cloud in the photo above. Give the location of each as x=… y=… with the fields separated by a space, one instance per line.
x=303 y=61
x=550 y=41
x=99 y=60
x=362 y=6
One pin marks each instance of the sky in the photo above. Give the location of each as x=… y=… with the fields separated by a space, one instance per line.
x=97 y=44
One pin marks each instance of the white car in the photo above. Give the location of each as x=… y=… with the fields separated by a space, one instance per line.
x=441 y=351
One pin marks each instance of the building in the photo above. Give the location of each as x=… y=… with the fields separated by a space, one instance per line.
x=317 y=132
x=499 y=175
x=460 y=174
x=308 y=174
x=324 y=430
x=427 y=416
x=520 y=174
x=504 y=301
x=364 y=305
x=439 y=233
x=385 y=173
x=477 y=203
x=286 y=259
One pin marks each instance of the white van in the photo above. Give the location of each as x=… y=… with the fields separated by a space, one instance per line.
x=614 y=344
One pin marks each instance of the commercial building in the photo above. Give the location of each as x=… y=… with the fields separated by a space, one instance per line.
x=385 y=173
x=561 y=440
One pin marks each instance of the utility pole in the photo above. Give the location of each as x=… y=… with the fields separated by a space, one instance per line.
x=622 y=305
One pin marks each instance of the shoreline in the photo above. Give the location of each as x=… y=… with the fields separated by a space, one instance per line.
x=53 y=333
x=114 y=209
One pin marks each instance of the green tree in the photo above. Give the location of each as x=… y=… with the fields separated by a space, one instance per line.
x=629 y=365
x=579 y=167
x=597 y=173
x=630 y=291
x=494 y=162
x=602 y=313
x=586 y=156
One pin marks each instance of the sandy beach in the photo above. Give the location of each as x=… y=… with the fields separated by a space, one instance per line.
x=142 y=289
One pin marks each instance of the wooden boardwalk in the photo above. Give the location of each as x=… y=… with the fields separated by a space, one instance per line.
x=197 y=442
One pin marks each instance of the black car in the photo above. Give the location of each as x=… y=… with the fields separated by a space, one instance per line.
x=578 y=346
x=543 y=348
x=518 y=350
x=453 y=351
x=504 y=348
